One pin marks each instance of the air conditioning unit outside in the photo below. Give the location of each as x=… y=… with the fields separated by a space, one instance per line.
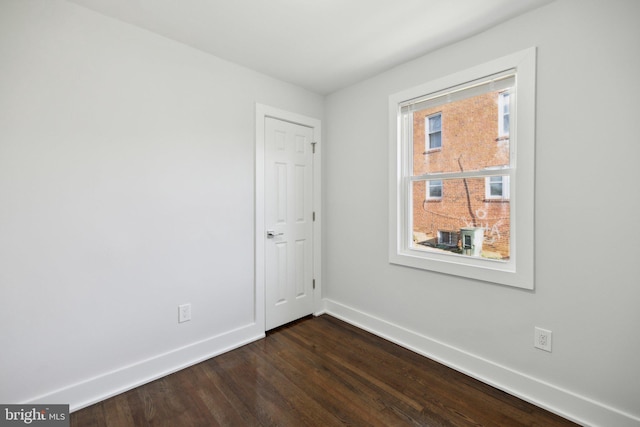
x=471 y=239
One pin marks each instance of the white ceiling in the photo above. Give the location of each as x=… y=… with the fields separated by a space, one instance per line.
x=321 y=45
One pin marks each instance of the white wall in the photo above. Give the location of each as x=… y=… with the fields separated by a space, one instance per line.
x=126 y=188
x=587 y=203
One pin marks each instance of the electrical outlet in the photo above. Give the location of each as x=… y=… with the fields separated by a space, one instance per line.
x=542 y=339
x=184 y=313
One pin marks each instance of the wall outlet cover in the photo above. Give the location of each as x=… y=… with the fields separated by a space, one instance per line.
x=542 y=339
x=184 y=313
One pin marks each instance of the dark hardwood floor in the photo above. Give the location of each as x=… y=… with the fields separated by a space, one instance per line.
x=316 y=372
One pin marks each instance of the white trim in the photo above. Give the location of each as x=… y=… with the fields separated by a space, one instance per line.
x=262 y=112
x=518 y=270
x=565 y=403
x=109 y=384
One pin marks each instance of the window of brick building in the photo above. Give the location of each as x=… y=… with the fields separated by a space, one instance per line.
x=434 y=189
x=448 y=238
x=503 y=114
x=453 y=141
x=497 y=188
x=433 y=126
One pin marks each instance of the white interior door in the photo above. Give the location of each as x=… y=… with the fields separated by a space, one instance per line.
x=288 y=221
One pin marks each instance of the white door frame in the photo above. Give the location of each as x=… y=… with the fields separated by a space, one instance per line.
x=262 y=112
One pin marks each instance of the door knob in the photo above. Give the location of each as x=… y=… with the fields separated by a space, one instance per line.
x=271 y=234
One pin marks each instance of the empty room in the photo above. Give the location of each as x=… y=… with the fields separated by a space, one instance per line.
x=296 y=212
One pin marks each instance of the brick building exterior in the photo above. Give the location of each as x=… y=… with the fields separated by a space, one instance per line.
x=464 y=135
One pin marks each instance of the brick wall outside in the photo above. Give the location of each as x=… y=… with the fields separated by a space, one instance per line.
x=469 y=142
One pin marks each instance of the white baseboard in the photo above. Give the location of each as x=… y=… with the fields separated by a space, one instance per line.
x=565 y=403
x=109 y=384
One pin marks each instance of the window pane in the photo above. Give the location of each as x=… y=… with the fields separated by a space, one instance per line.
x=439 y=224
x=467 y=132
x=435 y=123
x=435 y=140
x=435 y=189
x=504 y=102
x=496 y=186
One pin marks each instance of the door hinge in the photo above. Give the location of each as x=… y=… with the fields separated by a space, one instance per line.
x=313 y=147
x=314 y=216
x=314 y=283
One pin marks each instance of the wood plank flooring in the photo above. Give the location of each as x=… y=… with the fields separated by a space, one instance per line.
x=316 y=372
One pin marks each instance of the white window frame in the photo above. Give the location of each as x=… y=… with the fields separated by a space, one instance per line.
x=518 y=270
x=506 y=193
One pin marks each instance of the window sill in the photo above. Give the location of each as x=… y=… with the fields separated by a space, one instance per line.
x=432 y=150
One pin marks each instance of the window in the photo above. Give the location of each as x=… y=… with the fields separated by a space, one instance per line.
x=497 y=188
x=503 y=114
x=483 y=112
x=434 y=132
x=448 y=238
x=434 y=190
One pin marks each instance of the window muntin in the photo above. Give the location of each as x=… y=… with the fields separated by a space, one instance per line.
x=467 y=122
x=411 y=167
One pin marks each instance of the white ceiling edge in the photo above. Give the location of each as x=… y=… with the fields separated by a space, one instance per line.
x=320 y=45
